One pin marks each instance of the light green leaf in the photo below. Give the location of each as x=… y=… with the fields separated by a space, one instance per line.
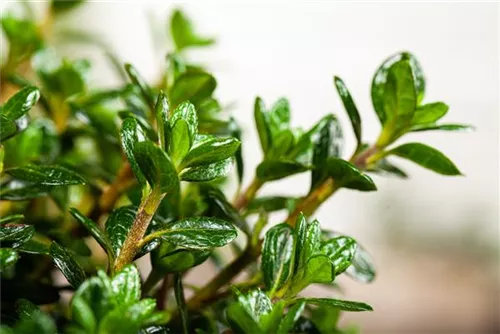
x=207 y=172
x=442 y=127
x=319 y=269
x=161 y=111
x=156 y=165
x=343 y=305
x=187 y=112
x=183 y=32
x=83 y=314
x=46 y=175
x=429 y=113
x=180 y=141
x=97 y=294
x=73 y=272
x=293 y=314
x=126 y=286
x=426 y=157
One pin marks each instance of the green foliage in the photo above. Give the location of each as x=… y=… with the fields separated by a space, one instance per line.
x=92 y=179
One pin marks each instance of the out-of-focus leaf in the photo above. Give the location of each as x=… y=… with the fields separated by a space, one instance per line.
x=46 y=175
x=346 y=175
x=94 y=230
x=270 y=203
x=270 y=170
x=139 y=81
x=8 y=128
x=293 y=314
x=162 y=111
x=341 y=251
x=14 y=235
x=350 y=107
x=343 y=305
x=73 y=272
x=384 y=167
x=19 y=104
x=126 y=285
x=183 y=33
x=11 y=219
x=8 y=257
x=193 y=87
x=20 y=191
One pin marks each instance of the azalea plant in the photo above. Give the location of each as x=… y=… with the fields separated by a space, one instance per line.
x=94 y=179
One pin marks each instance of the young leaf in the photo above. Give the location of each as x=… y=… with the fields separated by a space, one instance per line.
x=343 y=305
x=270 y=170
x=139 y=81
x=14 y=235
x=94 y=230
x=426 y=157
x=249 y=309
x=385 y=167
x=442 y=127
x=299 y=240
x=20 y=191
x=118 y=225
x=187 y=112
x=210 y=150
x=319 y=269
x=8 y=128
x=345 y=175
x=293 y=314
x=161 y=111
x=312 y=241
x=341 y=252
x=19 y=104
x=276 y=256
x=180 y=143
x=129 y=134
x=350 y=107
x=126 y=286
x=83 y=314
x=97 y=294
x=192 y=86
x=262 y=124
x=156 y=165
x=207 y=172
x=380 y=80
x=46 y=175
x=429 y=113
x=73 y=272
x=198 y=233
x=8 y=257
x=183 y=32
x=282 y=144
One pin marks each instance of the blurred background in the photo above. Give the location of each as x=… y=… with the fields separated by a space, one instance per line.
x=435 y=240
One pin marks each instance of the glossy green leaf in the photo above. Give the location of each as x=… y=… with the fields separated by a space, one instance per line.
x=319 y=269
x=328 y=144
x=162 y=111
x=198 y=232
x=130 y=134
x=34 y=246
x=180 y=142
x=346 y=175
x=429 y=113
x=139 y=81
x=379 y=82
x=193 y=87
x=276 y=256
x=93 y=229
x=270 y=170
x=341 y=251
x=20 y=191
x=19 y=104
x=209 y=150
x=8 y=128
x=235 y=131
x=8 y=257
x=126 y=285
x=118 y=225
x=350 y=107
x=207 y=172
x=426 y=157
x=46 y=175
x=442 y=127
x=299 y=240
x=156 y=166
x=187 y=112
x=183 y=33
x=14 y=235
x=343 y=305
x=262 y=124
x=312 y=241
x=73 y=272
x=293 y=314
x=249 y=310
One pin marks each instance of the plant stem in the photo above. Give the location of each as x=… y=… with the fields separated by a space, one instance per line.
x=248 y=195
x=145 y=213
x=161 y=295
x=153 y=278
x=181 y=302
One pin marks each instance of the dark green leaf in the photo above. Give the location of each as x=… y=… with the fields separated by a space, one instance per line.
x=350 y=107
x=262 y=124
x=130 y=133
x=299 y=240
x=34 y=246
x=345 y=175
x=211 y=149
x=276 y=256
x=139 y=81
x=94 y=230
x=8 y=128
x=8 y=257
x=39 y=323
x=46 y=175
x=341 y=252
x=156 y=166
x=198 y=233
x=293 y=314
x=14 y=235
x=126 y=286
x=19 y=104
x=442 y=127
x=11 y=219
x=207 y=172
x=169 y=258
x=380 y=79
x=193 y=87
x=20 y=191
x=26 y=309
x=235 y=132
x=429 y=113
x=118 y=225
x=73 y=272
x=183 y=32
x=384 y=167
x=343 y=305
x=270 y=170
x=426 y=157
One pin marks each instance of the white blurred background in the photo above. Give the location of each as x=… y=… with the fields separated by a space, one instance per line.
x=434 y=238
